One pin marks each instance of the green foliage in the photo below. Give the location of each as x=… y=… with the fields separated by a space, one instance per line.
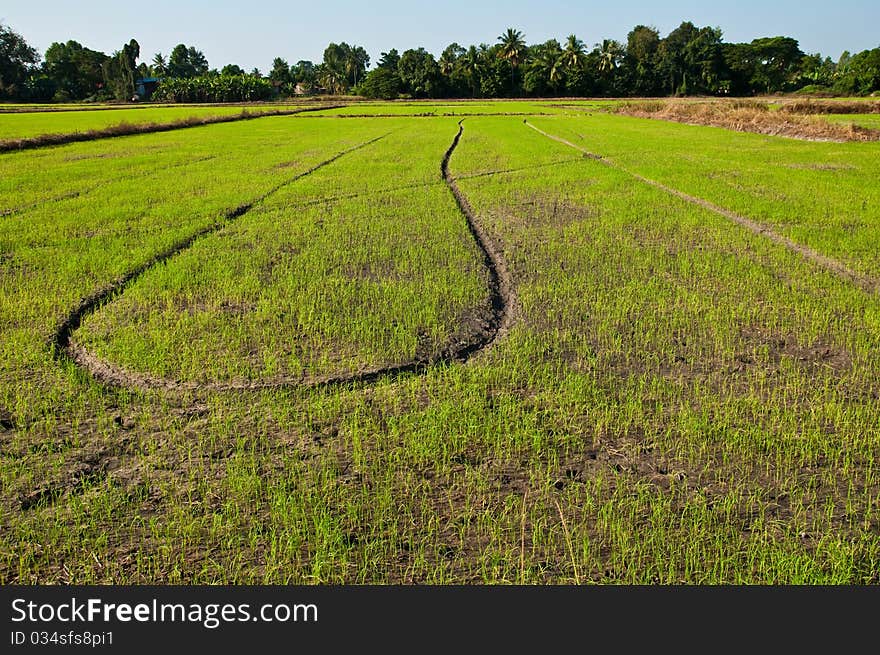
x=280 y=72
x=120 y=71
x=490 y=75
x=453 y=78
x=281 y=77
x=545 y=69
x=607 y=58
x=513 y=50
x=17 y=59
x=40 y=88
x=859 y=74
x=77 y=71
x=690 y=60
x=217 y=88
x=389 y=60
x=776 y=61
x=159 y=67
x=419 y=73
x=186 y=62
x=232 y=69
x=303 y=74
x=814 y=71
x=344 y=67
x=381 y=83
x=640 y=61
x=513 y=46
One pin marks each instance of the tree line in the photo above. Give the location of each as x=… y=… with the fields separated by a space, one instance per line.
x=690 y=60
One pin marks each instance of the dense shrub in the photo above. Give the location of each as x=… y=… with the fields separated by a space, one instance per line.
x=216 y=88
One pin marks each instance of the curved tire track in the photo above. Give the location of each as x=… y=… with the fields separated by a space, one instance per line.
x=837 y=267
x=500 y=292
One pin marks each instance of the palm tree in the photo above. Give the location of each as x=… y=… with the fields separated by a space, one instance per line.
x=330 y=79
x=574 y=54
x=513 y=49
x=356 y=62
x=610 y=53
x=160 y=66
x=449 y=57
x=555 y=76
x=470 y=66
x=548 y=61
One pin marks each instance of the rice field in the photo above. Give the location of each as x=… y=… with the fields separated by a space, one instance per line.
x=871 y=121
x=19 y=125
x=436 y=108
x=506 y=343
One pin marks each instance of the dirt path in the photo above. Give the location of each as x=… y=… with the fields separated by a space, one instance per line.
x=500 y=290
x=835 y=266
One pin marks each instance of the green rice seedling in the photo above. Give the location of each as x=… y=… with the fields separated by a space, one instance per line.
x=678 y=399
x=821 y=195
x=22 y=125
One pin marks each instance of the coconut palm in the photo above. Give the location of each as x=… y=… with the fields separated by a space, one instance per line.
x=513 y=49
x=610 y=54
x=548 y=61
x=555 y=70
x=449 y=57
x=160 y=66
x=331 y=79
x=574 y=54
x=513 y=46
x=356 y=62
x=470 y=67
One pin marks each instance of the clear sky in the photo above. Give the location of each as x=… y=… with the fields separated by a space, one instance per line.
x=251 y=33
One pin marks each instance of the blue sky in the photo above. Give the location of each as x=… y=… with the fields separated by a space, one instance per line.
x=251 y=33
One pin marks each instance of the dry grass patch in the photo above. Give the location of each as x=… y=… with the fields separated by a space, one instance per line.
x=830 y=107
x=748 y=116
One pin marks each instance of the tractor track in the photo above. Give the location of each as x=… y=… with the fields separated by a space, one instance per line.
x=501 y=298
x=420 y=185
x=869 y=284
